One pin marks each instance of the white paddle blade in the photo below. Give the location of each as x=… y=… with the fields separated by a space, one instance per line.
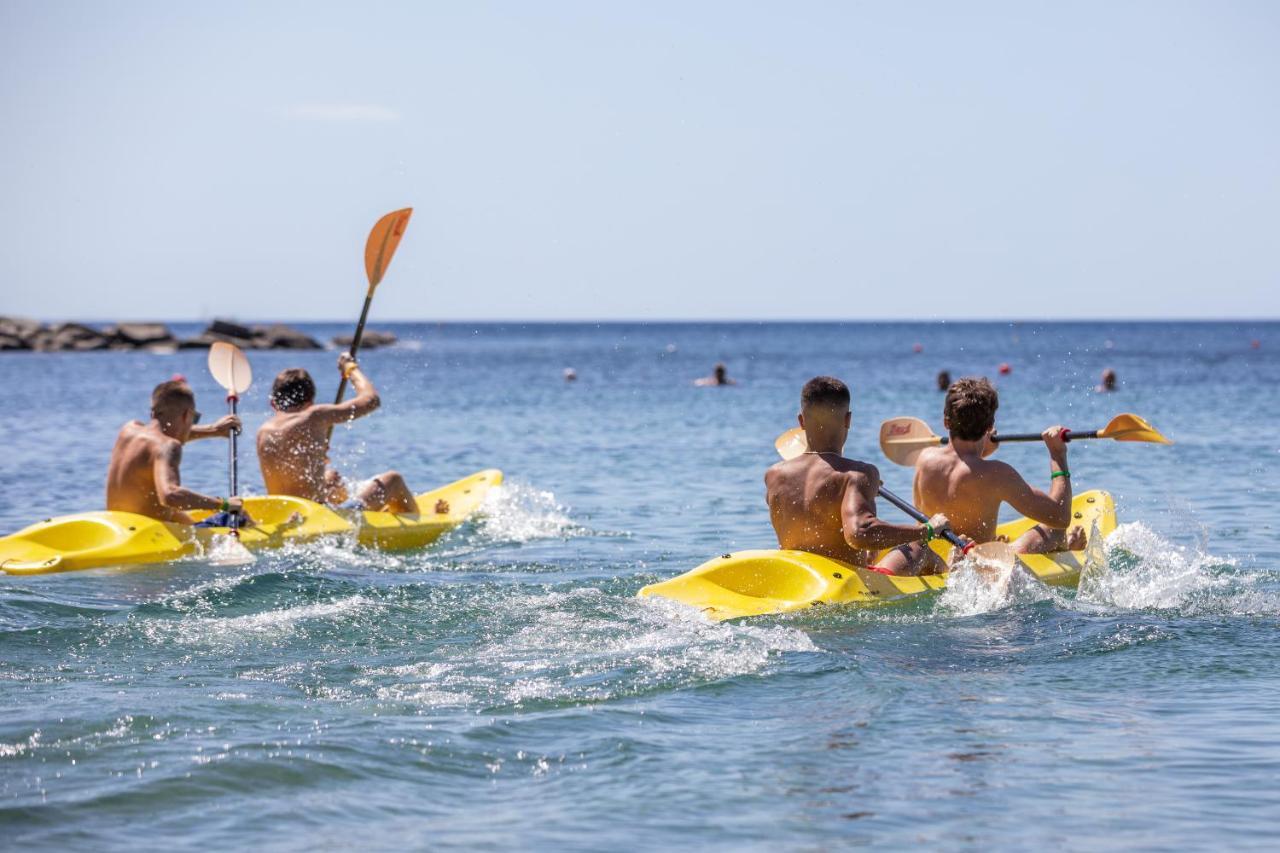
x=792 y=443
x=994 y=563
x=230 y=367
x=903 y=439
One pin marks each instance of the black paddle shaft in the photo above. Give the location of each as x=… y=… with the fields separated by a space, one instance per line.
x=232 y=399
x=1071 y=435
x=918 y=515
x=355 y=343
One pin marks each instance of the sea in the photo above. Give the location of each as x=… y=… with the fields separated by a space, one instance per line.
x=506 y=689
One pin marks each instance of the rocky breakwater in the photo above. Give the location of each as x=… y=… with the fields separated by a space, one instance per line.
x=19 y=334
x=274 y=336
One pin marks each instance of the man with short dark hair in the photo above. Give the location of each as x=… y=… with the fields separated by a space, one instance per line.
x=957 y=479
x=143 y=475
x=293 y=446
x=822 y=502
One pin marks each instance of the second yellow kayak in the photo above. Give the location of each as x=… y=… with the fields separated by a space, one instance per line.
x=96 y=539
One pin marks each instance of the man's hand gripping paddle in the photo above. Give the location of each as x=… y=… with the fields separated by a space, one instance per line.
x=999 y=555
x=231 y=370
x=902 y=439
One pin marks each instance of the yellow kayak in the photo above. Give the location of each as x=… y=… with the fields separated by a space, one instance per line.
x=95 y=539
x=392 y=532
x=755 y=583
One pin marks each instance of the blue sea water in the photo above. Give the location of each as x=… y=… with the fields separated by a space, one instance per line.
x=506 y=689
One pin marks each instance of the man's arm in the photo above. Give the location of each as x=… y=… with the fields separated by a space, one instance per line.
x=864 y=530
x=1053 y=509
x=222 y=428
x=363 y=403
x=173 y=494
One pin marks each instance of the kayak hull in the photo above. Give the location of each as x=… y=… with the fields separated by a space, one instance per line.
x=760 y=582
x=394 y=532
x=93 y=540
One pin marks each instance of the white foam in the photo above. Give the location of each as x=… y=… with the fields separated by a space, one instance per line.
x=1145 y=571
x=516 y=513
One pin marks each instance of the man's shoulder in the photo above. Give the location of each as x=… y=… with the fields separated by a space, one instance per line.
x=857 y=469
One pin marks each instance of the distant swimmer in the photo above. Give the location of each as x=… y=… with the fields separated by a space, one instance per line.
x=1108 y=381
x=143 y=476
x=719 y=376
x=957 y=479
x=944 y=380
x=823 y=503
x=293 y=446
x=570 y=375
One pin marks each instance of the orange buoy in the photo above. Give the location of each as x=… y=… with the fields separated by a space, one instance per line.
x=1005 y=369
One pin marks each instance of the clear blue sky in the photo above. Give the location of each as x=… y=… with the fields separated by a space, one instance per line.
x=644 y=160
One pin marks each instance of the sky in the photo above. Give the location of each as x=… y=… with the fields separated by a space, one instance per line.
x=647 y=161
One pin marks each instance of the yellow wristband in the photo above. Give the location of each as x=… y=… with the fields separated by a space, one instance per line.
x=351 y=368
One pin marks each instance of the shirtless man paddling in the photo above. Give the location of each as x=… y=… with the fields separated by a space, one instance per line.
x=293 y=446
x=825 y=504
x=957 y=479
x=143 y=475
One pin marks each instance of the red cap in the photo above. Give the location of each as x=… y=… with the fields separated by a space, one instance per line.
x=1005 y=369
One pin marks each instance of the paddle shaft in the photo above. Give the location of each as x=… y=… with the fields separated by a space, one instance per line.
x=1067 y=435
x=355 y=342
x=922 y=518
x=233 y=451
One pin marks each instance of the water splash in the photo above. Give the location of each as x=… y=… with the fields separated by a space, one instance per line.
x=1144 y=571
x=515 y=513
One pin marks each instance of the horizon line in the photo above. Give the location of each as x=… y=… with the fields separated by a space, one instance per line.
x=682 y=321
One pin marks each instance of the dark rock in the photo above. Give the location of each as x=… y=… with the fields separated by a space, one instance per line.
x=21 y=328
x=13 y=342
x=371 y=339
x=140 y=335
x=280 y=336
x=70 y=337
x=229 y=331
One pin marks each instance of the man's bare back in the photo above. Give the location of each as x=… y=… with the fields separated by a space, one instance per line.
x=824 y=503
x=959 y=479
x=806 y=498
x=293 y=446
x=970 y=490
x=131 y=476
x=292 y=449
x=144 y=473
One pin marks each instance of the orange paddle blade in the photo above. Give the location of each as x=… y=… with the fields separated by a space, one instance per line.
x=902 y=439
x=382 y=243
x=792 y=443
x=230 y=367
x=1127 y=427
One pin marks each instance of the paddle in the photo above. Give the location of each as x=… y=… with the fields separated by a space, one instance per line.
x=902 y=439
x=231 y=370
x=793 y=443
x=378 y=250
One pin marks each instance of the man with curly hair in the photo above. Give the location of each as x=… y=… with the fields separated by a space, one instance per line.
x=959 y=480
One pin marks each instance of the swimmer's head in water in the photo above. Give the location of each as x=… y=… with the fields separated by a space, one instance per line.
x=1109 y=379
x=293 y=389
x=720 y=371
x=970 y=408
